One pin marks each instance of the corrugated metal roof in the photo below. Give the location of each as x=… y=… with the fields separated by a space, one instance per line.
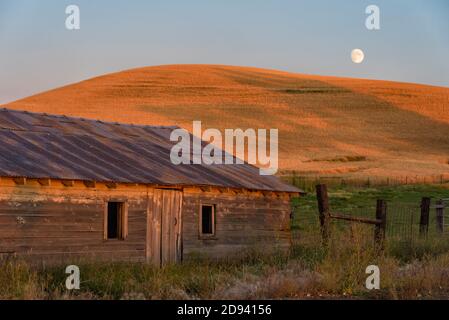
x=47 y=146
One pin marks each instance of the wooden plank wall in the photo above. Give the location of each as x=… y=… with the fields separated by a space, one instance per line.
x=154 y=229
x=164 y=231
x=171 y=227
x=243 y=220
x=57 y=222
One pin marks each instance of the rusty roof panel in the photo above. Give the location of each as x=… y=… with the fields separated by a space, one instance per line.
x=47 y=146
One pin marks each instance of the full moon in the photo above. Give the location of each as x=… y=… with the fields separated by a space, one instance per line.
x=357 y=56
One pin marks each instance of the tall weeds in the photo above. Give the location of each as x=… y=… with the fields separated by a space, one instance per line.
x=307 y=272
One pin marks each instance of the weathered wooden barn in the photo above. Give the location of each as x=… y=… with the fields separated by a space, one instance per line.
x=81 y=188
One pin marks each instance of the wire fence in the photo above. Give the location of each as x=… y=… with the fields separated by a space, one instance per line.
x=403 y=228
x=308 y=183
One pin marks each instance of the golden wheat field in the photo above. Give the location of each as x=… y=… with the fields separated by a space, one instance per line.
x=327 y=125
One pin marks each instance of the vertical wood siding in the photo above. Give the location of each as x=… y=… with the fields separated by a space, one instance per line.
x=164 y=227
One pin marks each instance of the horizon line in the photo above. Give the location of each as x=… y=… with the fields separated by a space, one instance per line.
x=6 y=102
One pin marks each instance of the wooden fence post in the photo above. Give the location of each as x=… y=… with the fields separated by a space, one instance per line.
x=323 y=207
x=380 y=229
x=439 y=208
x=424 y=220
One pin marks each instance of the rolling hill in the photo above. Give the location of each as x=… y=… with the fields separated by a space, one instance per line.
x=327 y=125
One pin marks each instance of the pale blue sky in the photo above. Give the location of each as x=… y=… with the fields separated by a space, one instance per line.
x=37 y=53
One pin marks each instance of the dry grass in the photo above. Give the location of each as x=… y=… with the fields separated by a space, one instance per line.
x=401 y=129
x=337 y=272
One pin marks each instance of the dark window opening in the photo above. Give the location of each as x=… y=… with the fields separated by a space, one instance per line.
x=207 y=220
x=115 y=221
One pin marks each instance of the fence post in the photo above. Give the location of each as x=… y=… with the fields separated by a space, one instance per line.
x=439 y=208
x=424 y=220
x=380 y=229
x=323 y=207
